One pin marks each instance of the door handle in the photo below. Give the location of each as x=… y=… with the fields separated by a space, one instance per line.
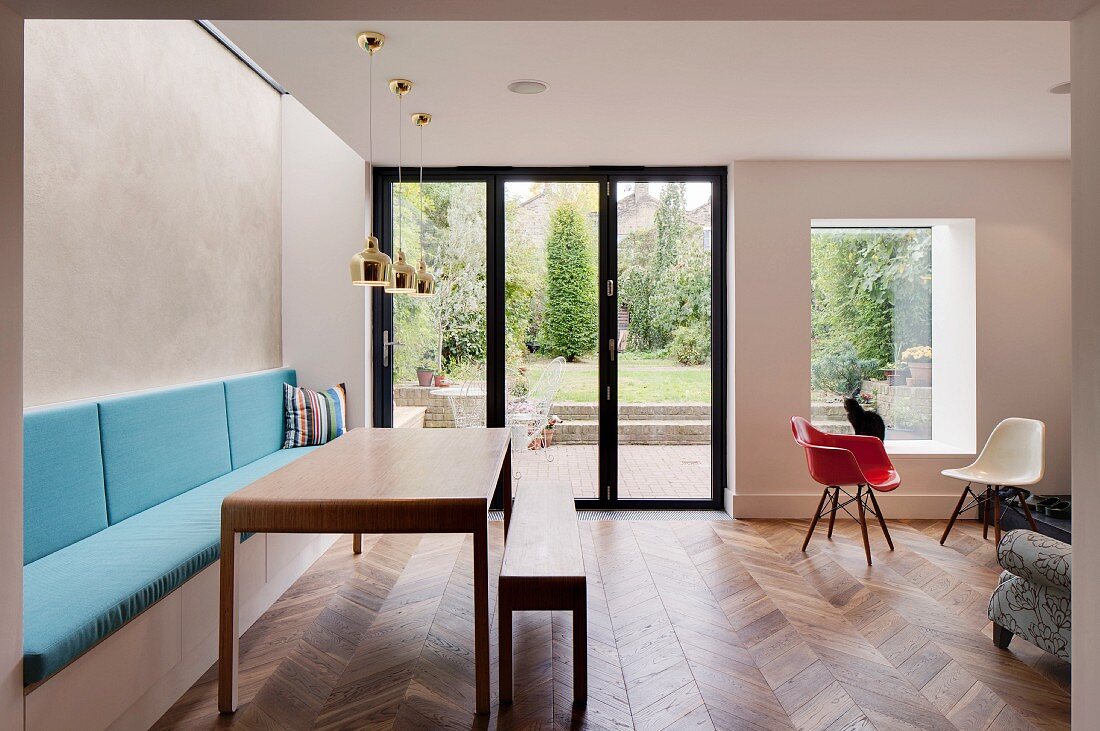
x=387 y=346
x=611 y=348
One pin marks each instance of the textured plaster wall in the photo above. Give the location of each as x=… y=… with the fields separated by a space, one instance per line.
x=1085 y=46
x=152 y=209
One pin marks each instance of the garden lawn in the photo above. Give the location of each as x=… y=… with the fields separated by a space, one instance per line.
x=640 y=381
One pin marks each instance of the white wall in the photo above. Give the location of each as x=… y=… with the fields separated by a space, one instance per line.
x=324 y=215
x=151 y=212
x=11 y=369
x=1022 y=216
x=1086 y=365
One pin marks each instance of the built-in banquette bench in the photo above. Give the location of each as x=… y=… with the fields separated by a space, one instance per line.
x=122 y=499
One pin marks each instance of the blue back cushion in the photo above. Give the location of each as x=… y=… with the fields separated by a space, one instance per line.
x=254 y=404
x=63 y=495
x=159 y=444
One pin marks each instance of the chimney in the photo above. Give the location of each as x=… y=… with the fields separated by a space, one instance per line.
x=641 y=190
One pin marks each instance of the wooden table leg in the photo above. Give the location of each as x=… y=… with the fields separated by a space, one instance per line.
x=356 y=543
x=227 y=623
x=580 y=646
x=504 y=486
x=504 y=637
x=481 y=615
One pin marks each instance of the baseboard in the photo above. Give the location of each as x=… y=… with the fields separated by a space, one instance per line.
x=801 y=505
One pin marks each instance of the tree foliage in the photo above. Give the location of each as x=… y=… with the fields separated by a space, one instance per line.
x=664 y=274
x=447 y=331
x=570 y=324
x=870 y=298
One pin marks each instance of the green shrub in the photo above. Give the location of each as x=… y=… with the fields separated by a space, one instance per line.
x=839 y=371
x=691 y=345
x=570 y=324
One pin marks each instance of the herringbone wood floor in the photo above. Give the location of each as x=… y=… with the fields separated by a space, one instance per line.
x=693 y=624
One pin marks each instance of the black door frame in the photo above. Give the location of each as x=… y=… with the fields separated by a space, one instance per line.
x=608 y=178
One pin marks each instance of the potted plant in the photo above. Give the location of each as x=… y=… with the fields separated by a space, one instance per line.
x=424 y=376
x=441 y=381
x=894 y=373
x=919 y=359
x=548 y=430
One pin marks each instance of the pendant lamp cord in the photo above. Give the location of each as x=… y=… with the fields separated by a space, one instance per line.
x=370 y=144
x=421 y=187
x=400 y=184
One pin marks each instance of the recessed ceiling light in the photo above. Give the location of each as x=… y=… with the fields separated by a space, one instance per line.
x=528 y=86
x=1060 y=88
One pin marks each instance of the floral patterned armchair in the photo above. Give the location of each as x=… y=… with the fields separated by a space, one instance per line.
x=1032 y=598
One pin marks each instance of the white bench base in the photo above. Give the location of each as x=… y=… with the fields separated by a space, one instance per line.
x=131 y=678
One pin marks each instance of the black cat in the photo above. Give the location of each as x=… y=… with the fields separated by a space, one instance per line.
x=867 y=423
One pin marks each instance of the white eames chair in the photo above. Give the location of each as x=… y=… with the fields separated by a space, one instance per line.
x=1013 y=458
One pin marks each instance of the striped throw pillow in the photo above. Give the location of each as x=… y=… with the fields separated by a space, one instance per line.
x=313 y=417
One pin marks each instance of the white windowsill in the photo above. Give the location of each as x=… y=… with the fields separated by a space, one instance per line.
x=924 y=448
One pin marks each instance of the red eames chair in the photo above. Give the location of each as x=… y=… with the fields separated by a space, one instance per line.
x=838 y=461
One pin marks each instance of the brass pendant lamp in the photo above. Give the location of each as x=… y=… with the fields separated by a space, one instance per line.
x=371 y=267
x=403 y=279
x=425 y=282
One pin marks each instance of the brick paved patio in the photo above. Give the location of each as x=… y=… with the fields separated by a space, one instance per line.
x=645 y=471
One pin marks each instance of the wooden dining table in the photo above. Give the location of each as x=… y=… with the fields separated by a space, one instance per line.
x=373 y=481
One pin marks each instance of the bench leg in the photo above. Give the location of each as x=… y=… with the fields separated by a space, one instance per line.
x=504 y=485
x=580 y=646
x=356 y=542
x=504 y=636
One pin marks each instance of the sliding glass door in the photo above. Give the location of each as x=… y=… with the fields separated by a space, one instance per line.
x=663 y=242
x=435 y=347
x=551 y=330
x=584 y=310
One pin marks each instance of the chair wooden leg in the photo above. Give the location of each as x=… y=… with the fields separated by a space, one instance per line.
x=817 y=516
x=1027 y=510
x=881 y=520
x=1001 y=636
x=863 y=523
x=955 y=514
x=832 y=512
x=985 y=514
x=997 y=515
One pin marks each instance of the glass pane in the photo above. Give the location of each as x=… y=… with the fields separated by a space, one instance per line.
x=663 y=343
x=439 y=353
x=551 y=323
x=871 y=331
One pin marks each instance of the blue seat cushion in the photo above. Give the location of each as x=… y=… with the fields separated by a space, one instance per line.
x=63 y=500
x=160 y=444
x=75 y=597
x=257 y=423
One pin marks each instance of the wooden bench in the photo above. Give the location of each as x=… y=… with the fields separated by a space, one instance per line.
x=543 y=569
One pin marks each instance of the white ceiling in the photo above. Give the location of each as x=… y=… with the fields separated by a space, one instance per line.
x=684 y=93
x=558 y=9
